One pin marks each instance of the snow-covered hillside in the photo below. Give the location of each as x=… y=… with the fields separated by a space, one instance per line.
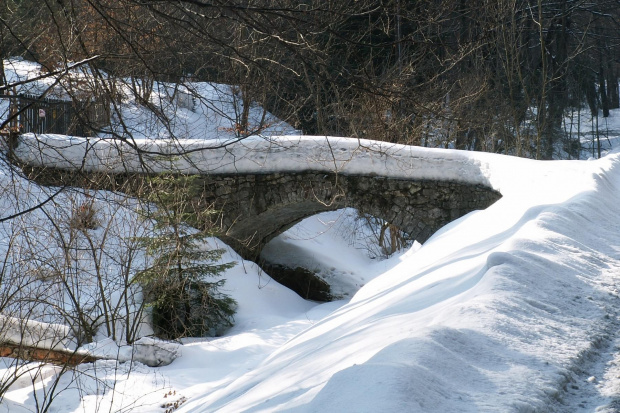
x=500 y=311
x=196 y=110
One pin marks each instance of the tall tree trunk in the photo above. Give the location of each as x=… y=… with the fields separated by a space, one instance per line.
x=612 y=87
x=2 y=74
x=603 y=91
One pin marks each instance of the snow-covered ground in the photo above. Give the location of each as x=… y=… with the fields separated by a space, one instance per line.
x=499 y=311
x=512 y=309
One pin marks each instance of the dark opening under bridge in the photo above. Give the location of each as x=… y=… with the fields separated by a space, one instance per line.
x=262 y=187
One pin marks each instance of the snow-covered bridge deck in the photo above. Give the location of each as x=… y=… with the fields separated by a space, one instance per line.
x=252 y=155
x=263 y=186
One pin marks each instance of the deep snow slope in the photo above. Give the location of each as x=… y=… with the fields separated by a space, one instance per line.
x=196 y=110
x=499 y=311
x=513 y=308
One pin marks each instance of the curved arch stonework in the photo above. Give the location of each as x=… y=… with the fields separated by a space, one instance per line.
x=263 y=186
x=256 y=208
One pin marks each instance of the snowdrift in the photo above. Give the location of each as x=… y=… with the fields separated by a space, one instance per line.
x=514 y=308
x=499 y=311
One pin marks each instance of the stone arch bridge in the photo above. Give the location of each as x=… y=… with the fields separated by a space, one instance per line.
x=263 y=186
x=254 y=208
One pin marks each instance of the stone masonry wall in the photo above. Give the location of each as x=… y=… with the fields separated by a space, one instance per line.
x=255 y=208
x=252 y=209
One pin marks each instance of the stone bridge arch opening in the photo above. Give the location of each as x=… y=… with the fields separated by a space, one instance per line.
x=255 y=208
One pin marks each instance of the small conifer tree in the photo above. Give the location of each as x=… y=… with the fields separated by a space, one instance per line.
x=182 y=301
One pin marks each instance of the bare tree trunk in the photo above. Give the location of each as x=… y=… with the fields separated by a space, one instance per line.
x=612 y=87
x=603 y=92
x=2 y=74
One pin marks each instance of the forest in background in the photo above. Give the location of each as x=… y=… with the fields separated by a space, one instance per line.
x=495 y=76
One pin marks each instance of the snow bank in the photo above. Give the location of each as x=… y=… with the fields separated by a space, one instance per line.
x=149 y=351
x=37 y=334
x=192 y=110
x=496 y=312
x=253 y=155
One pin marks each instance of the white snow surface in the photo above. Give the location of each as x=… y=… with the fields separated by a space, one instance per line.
x=496 y=312
x=197 y=110
x=33 y=333
x=339 y=247
x=500 y=310
x=254 y=155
